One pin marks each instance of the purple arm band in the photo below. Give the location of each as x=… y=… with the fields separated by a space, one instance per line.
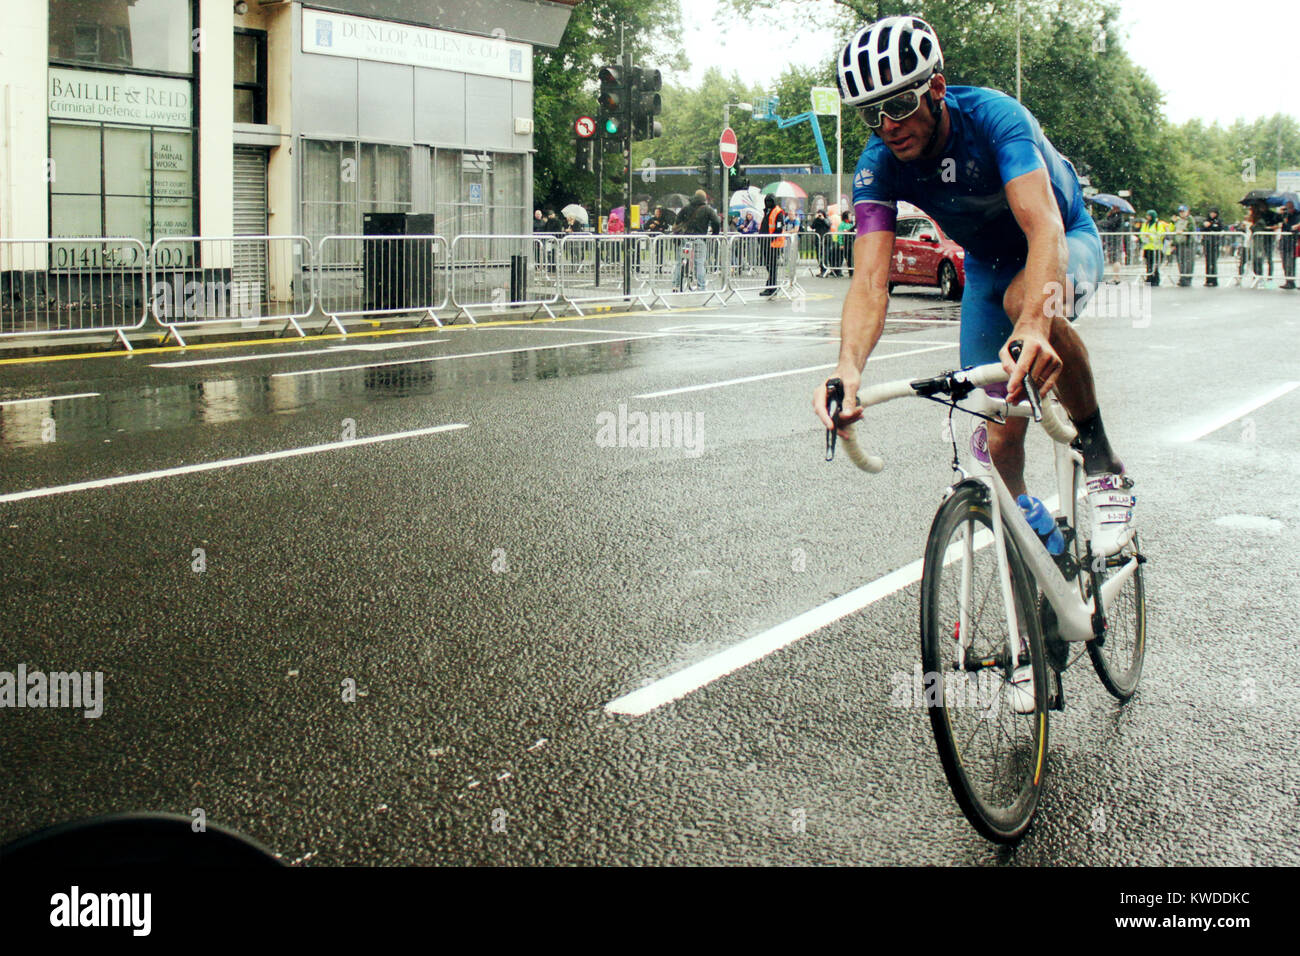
x=873 y=217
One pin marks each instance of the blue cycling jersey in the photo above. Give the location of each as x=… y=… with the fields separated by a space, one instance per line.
x=994 y=140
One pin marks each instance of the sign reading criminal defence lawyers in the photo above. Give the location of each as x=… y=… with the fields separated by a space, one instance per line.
x=115 y=98
x=337 y=35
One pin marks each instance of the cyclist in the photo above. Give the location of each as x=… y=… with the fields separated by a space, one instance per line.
x=978 y=162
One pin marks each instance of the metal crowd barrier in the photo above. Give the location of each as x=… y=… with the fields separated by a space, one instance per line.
x=837 y=253
x=61 y=286
x=359 y=276
x=200 y=280
x=591 y=270
x=755 y=265
x=504 y=272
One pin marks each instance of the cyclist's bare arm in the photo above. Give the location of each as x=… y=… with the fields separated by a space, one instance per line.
x=1043 y=281
x=863 y=320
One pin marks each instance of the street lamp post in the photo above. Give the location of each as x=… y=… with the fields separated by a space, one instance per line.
x=726 y=170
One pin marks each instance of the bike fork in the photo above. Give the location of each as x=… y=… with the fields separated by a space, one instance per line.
x=1004 y=579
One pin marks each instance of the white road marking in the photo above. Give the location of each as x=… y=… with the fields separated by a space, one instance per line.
x=795 y=371
x=190 y=363
x=225 y=463
x=1227 y=418
x=466 y=355
x=49 y=398
x=675 y=686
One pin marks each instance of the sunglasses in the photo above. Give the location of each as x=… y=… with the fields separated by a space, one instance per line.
x=897 y=108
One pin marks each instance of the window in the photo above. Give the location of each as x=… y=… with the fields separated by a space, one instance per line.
x=149 y=35
x=477 y=193
x=250 y=76
x=341 y=181
x=135 y=181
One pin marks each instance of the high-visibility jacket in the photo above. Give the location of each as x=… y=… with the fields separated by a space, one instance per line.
x=1153 y=235
x=779 y=241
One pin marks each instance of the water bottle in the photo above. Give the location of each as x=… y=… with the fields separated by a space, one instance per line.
x=1041 y=520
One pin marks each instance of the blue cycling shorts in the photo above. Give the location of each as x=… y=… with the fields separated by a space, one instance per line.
x=985 y=327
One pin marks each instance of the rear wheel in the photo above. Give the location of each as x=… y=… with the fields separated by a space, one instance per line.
x=948 y=284
x=993 y=756
x=1118 y=655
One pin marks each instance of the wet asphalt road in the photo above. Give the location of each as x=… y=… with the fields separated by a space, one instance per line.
x=489 y=589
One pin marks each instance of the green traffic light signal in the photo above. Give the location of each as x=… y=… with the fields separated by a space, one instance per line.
x=611 y=126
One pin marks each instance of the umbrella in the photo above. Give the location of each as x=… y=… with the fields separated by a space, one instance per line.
x=785 y=190
x=1112 y=202
x=575 y=212
x=1281 y=199
x=674 y=201
x=1254 y=196
x=744 y=199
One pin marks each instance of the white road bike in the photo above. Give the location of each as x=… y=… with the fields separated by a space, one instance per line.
x=994 y=601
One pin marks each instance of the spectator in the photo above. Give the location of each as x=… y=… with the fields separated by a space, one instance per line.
x=1111 y=226
x=1213 y=225
x=1153 y=233
x=1290 y=224
x=749 y=225
x=553 y=222
x=1262 y=223
x=773 y=225
x=697 y=219
x=821 y=226
x=846 y=237
x=539 y=221
x=1185 y=245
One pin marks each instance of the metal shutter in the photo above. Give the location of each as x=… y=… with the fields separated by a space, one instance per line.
x=249 y=258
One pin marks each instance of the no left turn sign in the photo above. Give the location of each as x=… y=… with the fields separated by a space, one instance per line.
x=585 y=127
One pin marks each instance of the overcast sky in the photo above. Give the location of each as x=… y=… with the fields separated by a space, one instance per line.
x=1214 y=59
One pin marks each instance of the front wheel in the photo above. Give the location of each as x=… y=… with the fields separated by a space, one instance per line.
x=993 y=754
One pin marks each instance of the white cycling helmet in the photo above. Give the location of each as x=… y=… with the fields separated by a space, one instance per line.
x=887 y=57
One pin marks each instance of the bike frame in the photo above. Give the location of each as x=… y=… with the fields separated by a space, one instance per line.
x=1074 y=615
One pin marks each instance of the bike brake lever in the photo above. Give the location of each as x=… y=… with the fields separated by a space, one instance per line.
x=834 y=404
x=1031 y=389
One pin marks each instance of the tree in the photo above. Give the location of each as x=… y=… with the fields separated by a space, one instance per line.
x=1100 y=109
x=564 y=86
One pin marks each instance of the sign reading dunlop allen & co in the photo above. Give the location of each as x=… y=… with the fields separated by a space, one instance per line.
x=335 y=34
x=115 y=98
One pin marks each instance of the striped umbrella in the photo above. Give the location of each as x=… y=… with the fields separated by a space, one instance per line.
x=784 y=190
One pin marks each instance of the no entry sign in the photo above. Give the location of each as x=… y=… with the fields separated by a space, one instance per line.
x=727 y=147
x=585 y=127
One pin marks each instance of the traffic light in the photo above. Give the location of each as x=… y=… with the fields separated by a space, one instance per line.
x=739 y=180
x=614 y=121
x=646 y=103
x=706 y=172
x=618 y=168
x=583 y=161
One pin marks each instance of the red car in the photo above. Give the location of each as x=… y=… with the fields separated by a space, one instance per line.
x=923 y=255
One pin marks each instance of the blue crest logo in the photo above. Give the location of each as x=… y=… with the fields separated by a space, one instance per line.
x=324 y=33
x=516 y=61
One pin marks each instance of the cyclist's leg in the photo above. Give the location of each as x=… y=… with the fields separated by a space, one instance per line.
x=1084 y=273
x=1076 y=387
